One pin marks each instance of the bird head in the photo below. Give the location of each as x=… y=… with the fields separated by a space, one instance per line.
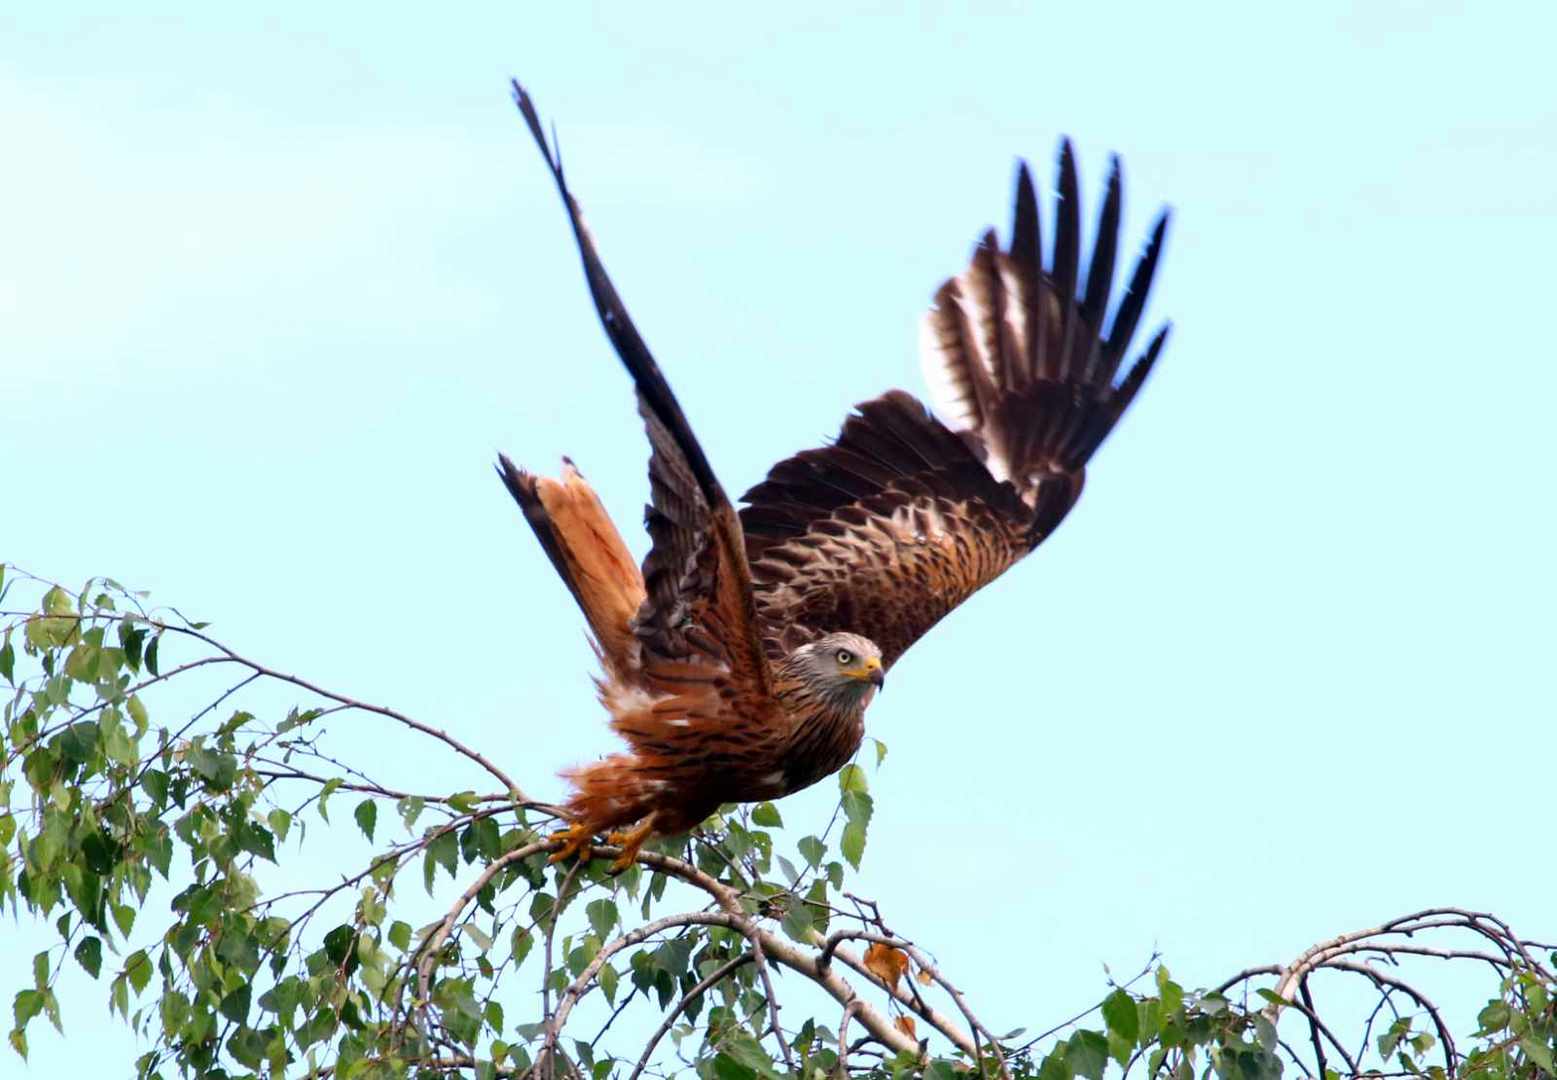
x=844 y=666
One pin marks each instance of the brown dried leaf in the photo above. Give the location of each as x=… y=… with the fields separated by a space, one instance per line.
x=905 y=1024
x=886 y=963
x=923 y=976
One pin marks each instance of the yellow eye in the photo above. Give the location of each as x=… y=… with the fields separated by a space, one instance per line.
x=845 y=657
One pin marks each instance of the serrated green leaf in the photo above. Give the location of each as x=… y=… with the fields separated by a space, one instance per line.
x=522 y=942
x=852 y=778
x=235 y=1005
x=482 y=939
x=812 y=850
x=138 y=969
x=602 y=916
x=858 y=807
x=410 y=809
x=124 y=918
x=853 y=843
x=26 y=1005
x=1495 y=1017
x=1120 y=1015
x=89 y=954
x=1538 y=1052
x=1086 y=1053
x=797 y=922
x=400 y=935
x=1170 y=992
x=366 y=816
x=331 y=786
x=280 y=823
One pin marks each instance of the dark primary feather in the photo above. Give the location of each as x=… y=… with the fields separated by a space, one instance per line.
x=629 y=345
x=902 y=518
x=698 y=584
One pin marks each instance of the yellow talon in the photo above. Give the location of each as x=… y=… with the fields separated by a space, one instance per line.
x=630 y=840
x=575 y=841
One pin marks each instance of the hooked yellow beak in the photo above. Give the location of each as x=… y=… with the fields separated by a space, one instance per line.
x=871 y=671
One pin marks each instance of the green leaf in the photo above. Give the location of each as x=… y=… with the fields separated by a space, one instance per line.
x=280 y=823
x=602 y=916
x=463 y=801
x=1086 y=1052
x=727 y=1068
x=767 y=815
x=523 y=941
x=124 y=918
x=235 y=1006
x=400 y=935
x=1494 y=1017
x=1120 y=1015
x=852 y=778
x=608 y=980
x=797 y=922
x=410 y=809
x=255 y=838
x=40 y=970
x=89 y=954
x=150 y=657
x=330 y=787
x=1538 y=1052
x=367 y=817
x=812 y=849
x=482 y=939
x=138 y=968
x=8 y=661
x=445 y=851
x=137 y=714
x=28 y=1004
x=857 y=807
x=853 y=843
x=338 y=944
x=1171 y=993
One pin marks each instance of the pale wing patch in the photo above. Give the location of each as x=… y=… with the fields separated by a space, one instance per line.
x=947 y=398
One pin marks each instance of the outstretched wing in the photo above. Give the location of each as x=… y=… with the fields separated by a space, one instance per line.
x=698 y=622
x=903 y=517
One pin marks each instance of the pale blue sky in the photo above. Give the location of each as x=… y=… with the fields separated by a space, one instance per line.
x=275 y=288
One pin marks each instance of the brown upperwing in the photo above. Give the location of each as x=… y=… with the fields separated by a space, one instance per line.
x=902 y=518
x=697 y=623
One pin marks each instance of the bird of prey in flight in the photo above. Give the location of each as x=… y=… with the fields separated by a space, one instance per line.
x=738 y=662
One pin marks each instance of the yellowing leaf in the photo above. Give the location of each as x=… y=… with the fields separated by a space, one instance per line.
x=905 y=1024
x=924 y=977
x=886 y=963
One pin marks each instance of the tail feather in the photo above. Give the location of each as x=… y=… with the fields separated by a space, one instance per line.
x=588 y=552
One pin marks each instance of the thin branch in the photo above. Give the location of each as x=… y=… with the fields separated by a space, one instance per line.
x=773 y=1005
x=713 y=977
x=434 y=942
